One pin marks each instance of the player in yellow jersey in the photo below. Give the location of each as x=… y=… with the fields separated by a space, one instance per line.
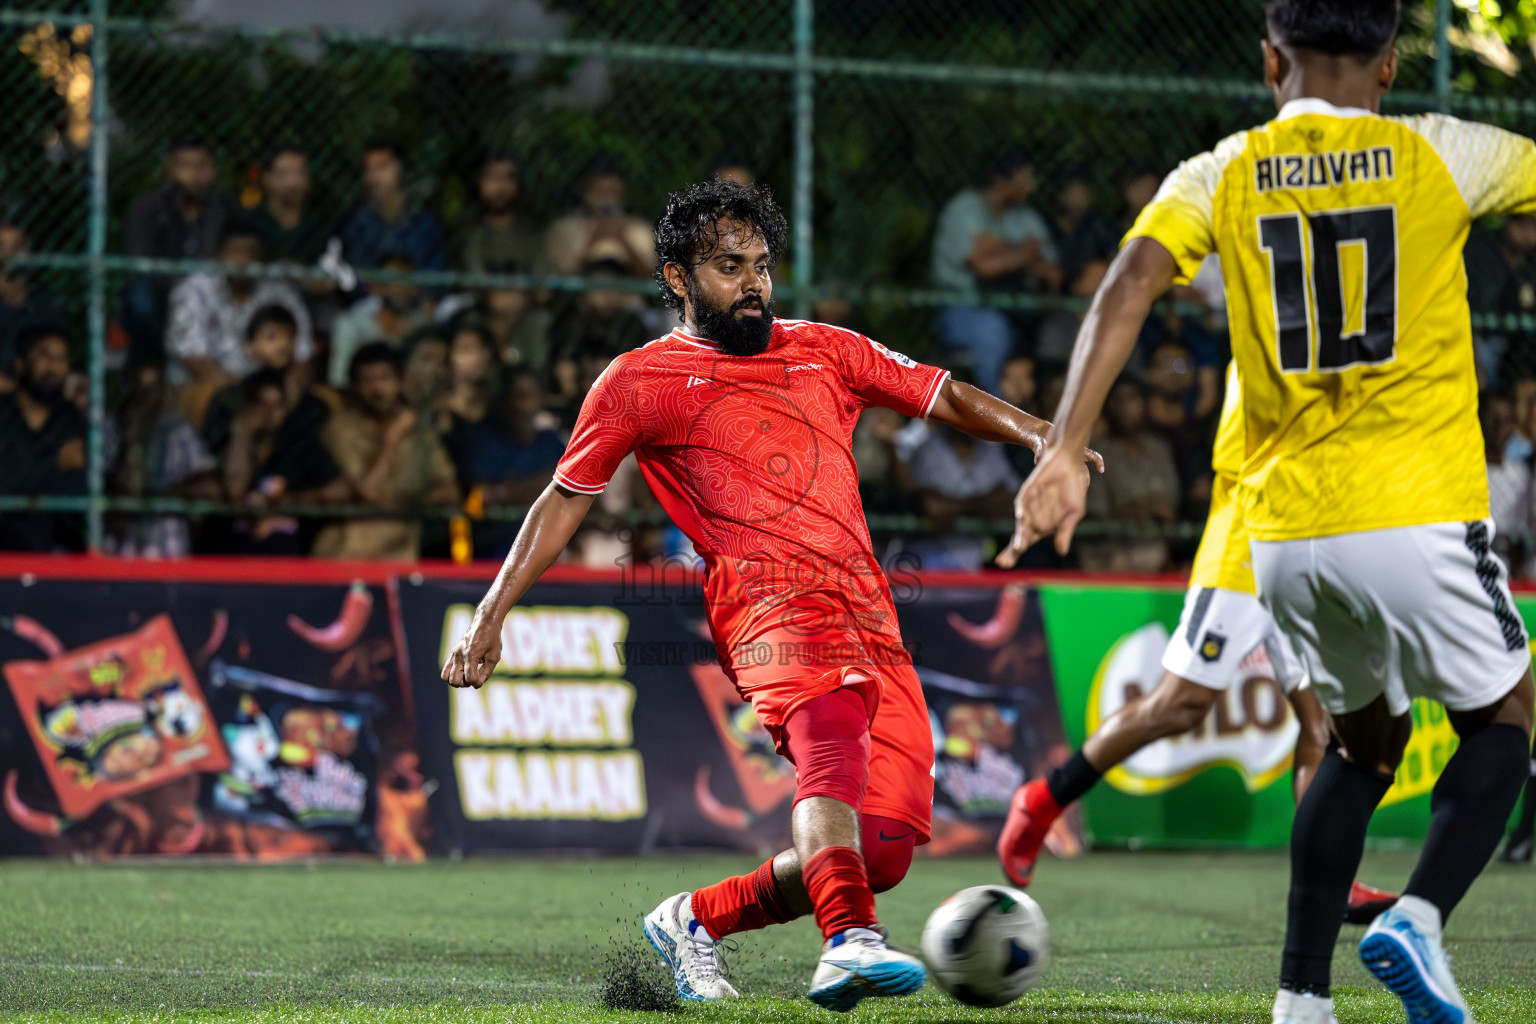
x=1224 y=637
x=1362 y=484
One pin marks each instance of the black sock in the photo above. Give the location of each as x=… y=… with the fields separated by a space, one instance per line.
x=1470 y=806
x=1327 y=840
x=1068 y=782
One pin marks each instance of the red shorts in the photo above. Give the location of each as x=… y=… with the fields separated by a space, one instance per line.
x=900 y=734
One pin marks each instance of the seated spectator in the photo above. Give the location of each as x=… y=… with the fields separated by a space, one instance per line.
x=600 y=325
x=392 y=310
x=882 y=473
x=1081 y=232
x=23 y=302
x=472 y=368
x=1501 y=279
x=386 y=221
x=1142 y=491
x=509 y=458
x=182 y=220
x=599 y=230
x=294 y=231
x=389 y=458
x=1509 y=481
x=1137 y=184
x=1059 y=327
x=151 y=451
x=1171 y=398
x=990 y=239
x=426 y=368
x=496 y=235
x=210 y=312
x=1017 y=388
x=519 y=327
x=42 y=443
x=955 y=475
x=271 y=342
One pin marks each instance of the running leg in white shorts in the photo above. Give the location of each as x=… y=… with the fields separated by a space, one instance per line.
x=1217 y=630
x=1416 y=611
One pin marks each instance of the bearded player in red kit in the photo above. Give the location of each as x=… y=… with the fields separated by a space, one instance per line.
x=742 y=425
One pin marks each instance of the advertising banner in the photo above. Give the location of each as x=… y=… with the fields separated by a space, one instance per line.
x=1228 y=781
x=252 y=720
x=609 y=723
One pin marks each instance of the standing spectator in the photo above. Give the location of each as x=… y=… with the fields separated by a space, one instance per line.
x=599 y=230
x=1144 y=490
x=182 y=220
x=956 y=475
x=1059 y=327
x=496 y=235
x=1509 y=481
x=1082 y=233
x=210 y=313
x=1171 y=411
x=600 y=325
x=389 y=458
x=271 y=339
x=386 y=221
x=152 y=451
x=991 y=239
x=23 y=302
x=42 y=442
x=392 y=310
x=731 y=167
x=471 y=388
x=1017 y=388
x=294 y=232
x=1138 y=184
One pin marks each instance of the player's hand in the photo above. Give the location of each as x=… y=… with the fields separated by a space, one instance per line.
x=474 y=657
x=1052 y=500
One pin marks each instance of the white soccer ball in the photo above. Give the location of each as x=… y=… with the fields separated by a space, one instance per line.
x=986 y=945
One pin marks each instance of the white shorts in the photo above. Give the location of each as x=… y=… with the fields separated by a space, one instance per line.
x=1417 y=611
x=1226 y=637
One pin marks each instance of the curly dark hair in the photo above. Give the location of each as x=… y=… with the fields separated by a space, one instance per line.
x=688 y=234
x=1361 y=28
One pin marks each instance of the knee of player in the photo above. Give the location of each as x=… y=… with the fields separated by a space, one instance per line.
x=887 y=868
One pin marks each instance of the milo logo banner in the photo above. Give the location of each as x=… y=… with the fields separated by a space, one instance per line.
x=609 y=723
x=1227 y=782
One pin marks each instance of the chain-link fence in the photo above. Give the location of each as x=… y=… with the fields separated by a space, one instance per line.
x=866 y=117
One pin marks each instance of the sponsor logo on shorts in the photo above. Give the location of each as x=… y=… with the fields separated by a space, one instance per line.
x=1212 y=646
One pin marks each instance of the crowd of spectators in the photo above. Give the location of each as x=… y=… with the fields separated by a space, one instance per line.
x=398 y=406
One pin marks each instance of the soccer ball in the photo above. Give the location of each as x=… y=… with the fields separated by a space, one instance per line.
x=986 y=945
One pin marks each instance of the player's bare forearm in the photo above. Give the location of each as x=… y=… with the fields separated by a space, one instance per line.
x=551 y=522
x=1311 y=742
x=1143 y=271
x=989 y=418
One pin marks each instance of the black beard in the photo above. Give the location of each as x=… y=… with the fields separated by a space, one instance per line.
x=745 y=337
x=49 y=396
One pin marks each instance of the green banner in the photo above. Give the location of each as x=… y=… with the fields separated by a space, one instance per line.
x=1228 y=781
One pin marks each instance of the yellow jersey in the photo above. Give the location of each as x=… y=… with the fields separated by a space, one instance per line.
x=1340 y=235
x=1223 y=559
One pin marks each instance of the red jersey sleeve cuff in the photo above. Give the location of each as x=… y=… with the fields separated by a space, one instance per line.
x=933 y=392
x=571 y=485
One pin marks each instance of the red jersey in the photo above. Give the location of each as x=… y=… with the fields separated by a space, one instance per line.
x=752 y=458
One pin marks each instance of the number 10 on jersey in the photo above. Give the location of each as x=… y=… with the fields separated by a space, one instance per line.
x=1348 y=300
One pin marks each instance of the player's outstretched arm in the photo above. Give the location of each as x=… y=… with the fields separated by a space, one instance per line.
x=973 y=411
x=551 y=522
x=1052 y=500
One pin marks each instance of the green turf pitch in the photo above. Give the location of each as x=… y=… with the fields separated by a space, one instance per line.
x=1137 y=938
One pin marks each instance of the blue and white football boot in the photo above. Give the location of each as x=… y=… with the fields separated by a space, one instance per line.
x=688 y=950
x=1291 y=1008
x=857 y=963
x=1402 y=948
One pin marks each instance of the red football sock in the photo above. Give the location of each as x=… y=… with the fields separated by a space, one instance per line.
x=839 y=890
x=742 y=903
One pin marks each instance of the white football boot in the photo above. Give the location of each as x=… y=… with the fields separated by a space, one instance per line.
x=1402 y=948
x=688 y=950
x=1291 y=1008
x=857 y=963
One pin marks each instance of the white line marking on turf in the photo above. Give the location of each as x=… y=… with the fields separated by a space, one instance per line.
x=193 y=972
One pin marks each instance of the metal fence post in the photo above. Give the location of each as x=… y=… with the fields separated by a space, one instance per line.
x=96 y=313
x=1443 y=55
x=804 y=90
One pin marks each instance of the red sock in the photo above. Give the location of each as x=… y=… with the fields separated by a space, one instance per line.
x=839 y=890
x=741 y=904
